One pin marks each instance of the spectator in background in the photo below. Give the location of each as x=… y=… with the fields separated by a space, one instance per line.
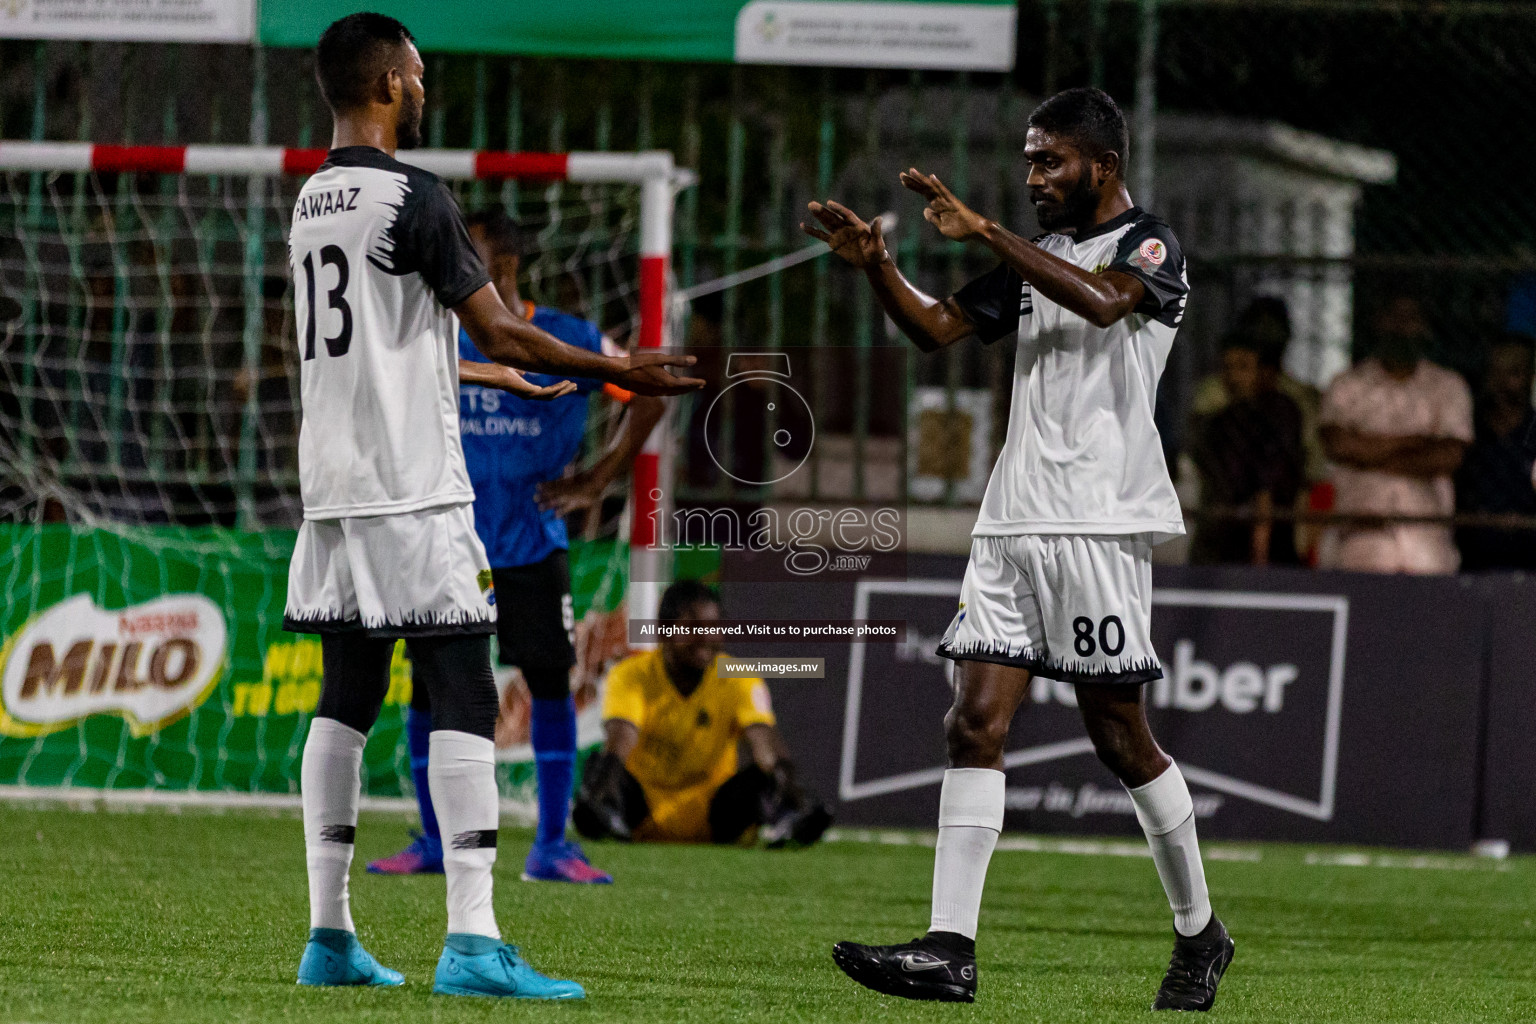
x=1495 y=478
x=1266 y=327
x=1249 y=454
x=1395 y=426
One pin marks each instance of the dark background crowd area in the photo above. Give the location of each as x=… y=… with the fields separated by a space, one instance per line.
x=148 y=371
x=1264 y=474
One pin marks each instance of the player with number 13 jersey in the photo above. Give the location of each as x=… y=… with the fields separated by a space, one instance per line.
x=384 y=273
x=380 y=257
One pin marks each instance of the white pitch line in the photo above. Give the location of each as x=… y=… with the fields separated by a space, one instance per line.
x=1037 y=844
x=79 y=798
x=1413 y=862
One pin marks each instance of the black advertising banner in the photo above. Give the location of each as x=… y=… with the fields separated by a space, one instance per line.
x=1508 y=809
x=1300 y=706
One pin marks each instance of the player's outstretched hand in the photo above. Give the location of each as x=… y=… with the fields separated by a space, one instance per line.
x=952 y=217
x=861 y=244
x=512 y=382
x=568 y=494
x=647 y=374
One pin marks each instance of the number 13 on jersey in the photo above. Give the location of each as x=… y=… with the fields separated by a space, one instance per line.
x=336 y=301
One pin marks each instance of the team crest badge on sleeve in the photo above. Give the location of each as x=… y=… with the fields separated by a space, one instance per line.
x=1152 y=253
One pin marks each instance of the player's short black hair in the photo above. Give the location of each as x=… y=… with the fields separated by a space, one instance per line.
x=352 y=53
x=1090 y=118
x=684 y=595
x=501 y=231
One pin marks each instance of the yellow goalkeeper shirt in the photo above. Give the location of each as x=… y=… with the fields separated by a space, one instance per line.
x=684 y=741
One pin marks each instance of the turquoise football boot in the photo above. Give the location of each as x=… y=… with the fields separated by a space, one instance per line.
x=477 y=965
x=335 y=957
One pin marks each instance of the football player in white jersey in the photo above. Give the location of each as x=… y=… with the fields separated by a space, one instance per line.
x=384 y=272
x=1059 y=582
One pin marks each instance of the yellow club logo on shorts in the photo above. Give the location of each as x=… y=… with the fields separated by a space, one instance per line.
x=487 y=585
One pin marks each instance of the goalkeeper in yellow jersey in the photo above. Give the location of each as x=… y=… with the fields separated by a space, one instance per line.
x=668 y=770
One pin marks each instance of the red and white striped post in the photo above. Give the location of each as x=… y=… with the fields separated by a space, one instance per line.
x=652 y=171
x=455 y=164
x=649 y=504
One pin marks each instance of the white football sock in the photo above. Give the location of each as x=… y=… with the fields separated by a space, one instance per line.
x=1167 y=816
x=329 y=782
x=970 y=817
x=462 y=777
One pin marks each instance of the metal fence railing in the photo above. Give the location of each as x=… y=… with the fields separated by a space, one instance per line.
x=1336 y=154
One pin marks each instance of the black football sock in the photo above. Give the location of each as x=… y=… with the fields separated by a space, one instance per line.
x=954 y=942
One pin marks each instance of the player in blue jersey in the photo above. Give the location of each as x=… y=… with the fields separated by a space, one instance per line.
x=517 y=451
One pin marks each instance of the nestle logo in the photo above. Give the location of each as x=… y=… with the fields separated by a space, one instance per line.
x=163 y=623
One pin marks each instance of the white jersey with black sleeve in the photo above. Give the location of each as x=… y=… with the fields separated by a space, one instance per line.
x=1083 y=456
x=379 y=255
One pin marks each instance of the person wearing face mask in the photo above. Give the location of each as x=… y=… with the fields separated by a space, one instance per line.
x=1395 y=427
x=668 y=769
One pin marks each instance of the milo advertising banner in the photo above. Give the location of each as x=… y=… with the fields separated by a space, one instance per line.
x=149 y=664
x=156 y=658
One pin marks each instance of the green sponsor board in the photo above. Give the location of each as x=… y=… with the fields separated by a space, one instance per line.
x=156 y=658
x=185 y=21
x=978 y=34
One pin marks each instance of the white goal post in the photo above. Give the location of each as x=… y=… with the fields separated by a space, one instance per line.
x=654 y=172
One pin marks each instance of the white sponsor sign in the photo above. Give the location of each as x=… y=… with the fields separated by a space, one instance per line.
x=151 y=664
x=192 y=21
x=977 y=37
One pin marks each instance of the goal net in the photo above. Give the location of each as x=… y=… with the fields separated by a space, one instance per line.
x=148 y=449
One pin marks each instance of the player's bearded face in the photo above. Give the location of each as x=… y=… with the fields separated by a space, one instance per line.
x=408 y=128
x=1075 y=208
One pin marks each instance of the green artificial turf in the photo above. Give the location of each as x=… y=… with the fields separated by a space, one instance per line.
x=128 y=917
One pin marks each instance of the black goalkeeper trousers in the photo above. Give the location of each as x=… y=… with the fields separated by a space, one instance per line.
x=736 y=806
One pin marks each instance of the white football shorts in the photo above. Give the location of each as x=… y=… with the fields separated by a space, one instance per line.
x=412 y=574
x=1067 y=607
